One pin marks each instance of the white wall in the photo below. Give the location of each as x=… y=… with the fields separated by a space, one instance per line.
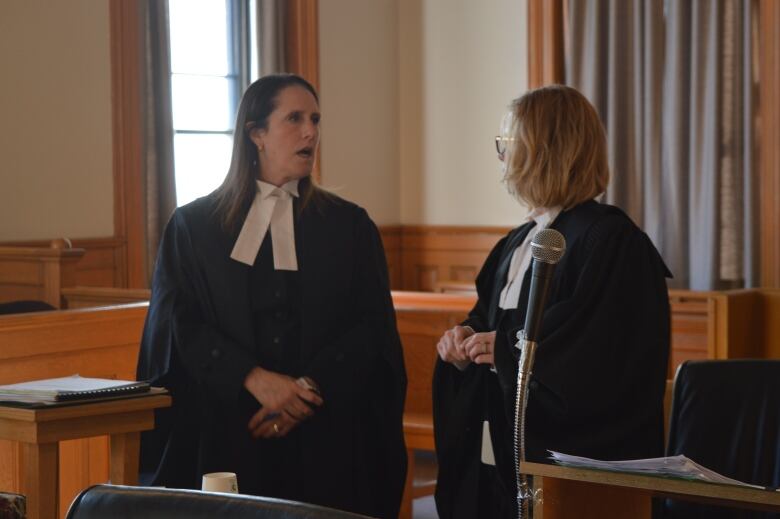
x=412 y=95
x=462 y=63
x=359 y=102
x=412 y=92
x=55 y=120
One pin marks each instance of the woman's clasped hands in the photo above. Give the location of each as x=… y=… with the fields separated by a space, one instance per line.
x=461 y=345
x=286 y=402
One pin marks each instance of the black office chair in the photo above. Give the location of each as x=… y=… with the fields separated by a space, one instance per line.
x=23 y=307
x=726 y=416
x=12 y=506
x=120 y=502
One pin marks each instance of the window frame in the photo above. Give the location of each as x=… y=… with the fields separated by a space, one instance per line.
x=239 y=59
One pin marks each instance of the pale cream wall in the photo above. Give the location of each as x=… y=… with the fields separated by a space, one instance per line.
x=412 y=95
x=359 y=102
x=461 y=63
x=55 y=120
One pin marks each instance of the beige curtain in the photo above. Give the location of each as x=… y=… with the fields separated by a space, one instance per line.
x=271 y=33
x=675 y=83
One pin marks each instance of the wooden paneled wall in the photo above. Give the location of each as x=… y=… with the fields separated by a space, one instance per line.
x=31 y=273
x=422 y=256
x=102 y=263
x=419 y=257
x=391 y=239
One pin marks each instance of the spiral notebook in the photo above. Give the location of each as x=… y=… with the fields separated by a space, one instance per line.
x=67 y=389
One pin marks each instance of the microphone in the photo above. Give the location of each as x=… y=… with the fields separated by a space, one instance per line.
x=547 y=249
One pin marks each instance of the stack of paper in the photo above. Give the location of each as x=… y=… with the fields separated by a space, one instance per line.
x=673 y=466
x=68 y=388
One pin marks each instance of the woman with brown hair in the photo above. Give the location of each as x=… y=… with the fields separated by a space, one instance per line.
x=598 y=379
x=272 y=326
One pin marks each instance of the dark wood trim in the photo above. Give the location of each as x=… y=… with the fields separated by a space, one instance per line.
x=545 y=42
x=769 y=144
x=303 y=51
x=391 y=240
x=303 y=40
x=126 y=37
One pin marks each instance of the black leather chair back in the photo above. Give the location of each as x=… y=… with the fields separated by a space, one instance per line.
x=120 y=502
x=726 y=416
x=23 y=307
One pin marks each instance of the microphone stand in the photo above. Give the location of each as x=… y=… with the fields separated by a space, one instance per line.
x=547 y=246
x=524 y=493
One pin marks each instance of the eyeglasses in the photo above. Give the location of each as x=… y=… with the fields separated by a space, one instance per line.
x=501 y=143
x=504 y=130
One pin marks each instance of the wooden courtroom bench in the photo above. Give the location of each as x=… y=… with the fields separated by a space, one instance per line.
x=91 y=297
x=98 y=342
x=422 y=317
x=38 y=273
x=728 y=324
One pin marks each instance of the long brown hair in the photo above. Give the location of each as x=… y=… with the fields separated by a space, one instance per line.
x=557 y=153
x=235 y=195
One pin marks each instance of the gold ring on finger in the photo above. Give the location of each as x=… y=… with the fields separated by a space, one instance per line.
x=276 y=428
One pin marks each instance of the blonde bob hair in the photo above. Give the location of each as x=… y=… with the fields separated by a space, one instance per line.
x=557 y=149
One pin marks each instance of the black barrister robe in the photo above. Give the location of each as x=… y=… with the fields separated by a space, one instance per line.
x=598 y=380
x=199 y=341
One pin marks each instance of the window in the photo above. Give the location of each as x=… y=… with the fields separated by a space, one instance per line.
x=210 y=53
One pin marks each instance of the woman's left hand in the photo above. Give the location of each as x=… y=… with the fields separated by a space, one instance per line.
x=272 y=426
x=479 y=347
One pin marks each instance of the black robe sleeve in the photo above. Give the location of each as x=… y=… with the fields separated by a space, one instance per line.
x=361 y=372
x=346 y=367
x=178 y=325
x=598 y=379
x=460 y=403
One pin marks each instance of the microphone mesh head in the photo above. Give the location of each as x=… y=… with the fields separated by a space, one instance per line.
x=548 y=246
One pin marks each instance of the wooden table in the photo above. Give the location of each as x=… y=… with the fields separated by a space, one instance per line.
x=588 y=493
x=39 y=431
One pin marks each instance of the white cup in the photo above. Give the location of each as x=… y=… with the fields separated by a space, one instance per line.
x=220 y=482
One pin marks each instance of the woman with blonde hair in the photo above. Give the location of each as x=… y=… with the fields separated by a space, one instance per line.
x=598 y=379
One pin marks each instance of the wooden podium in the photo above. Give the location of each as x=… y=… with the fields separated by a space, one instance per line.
x=40 y=430
x=588 y=493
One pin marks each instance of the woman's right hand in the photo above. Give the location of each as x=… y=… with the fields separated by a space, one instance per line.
x=279 y=395
x=450 y=346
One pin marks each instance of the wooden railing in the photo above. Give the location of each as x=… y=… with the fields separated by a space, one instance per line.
x=705 y=325
x=91 y=297
x=38 y=273
x=97 y=342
